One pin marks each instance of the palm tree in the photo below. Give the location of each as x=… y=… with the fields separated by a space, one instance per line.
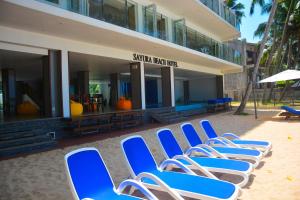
x=283 y=41
x=237 y=8
x=261 y=3
x=260 y=53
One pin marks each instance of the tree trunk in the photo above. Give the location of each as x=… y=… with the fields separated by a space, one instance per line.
x=261 y=49
x=280 y=64
x=288 y=83
x=284 y=38
x=268 y=68
x=286 y=87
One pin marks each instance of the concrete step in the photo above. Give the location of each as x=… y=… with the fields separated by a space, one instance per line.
x=23 y=141
x=16 y=135
x=27 y=148
x=169 y=114
x=170 y=118
x=176 y=119
x=18 y=128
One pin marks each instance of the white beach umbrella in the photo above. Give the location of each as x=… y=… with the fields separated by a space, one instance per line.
x=282 y=76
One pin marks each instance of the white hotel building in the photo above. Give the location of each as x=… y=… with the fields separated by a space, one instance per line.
x=158 y=53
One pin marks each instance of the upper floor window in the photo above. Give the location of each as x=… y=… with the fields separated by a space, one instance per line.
x=162 y=24
x=119 y=12
x=53 y=1
x=155 y=24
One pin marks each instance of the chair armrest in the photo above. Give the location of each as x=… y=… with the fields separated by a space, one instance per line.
x=212 y=150
x=159 y=182
x=213 y=141
x=167 y=162
x=229 y=142
x=137 y=185
x=232 y=135
x=195 y=164
x=190 y=151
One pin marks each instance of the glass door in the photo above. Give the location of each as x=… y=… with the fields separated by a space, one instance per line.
x=114 y=12
x=95 y=9
x=179 y=32
x=131 y=15
x=149 y=19
x=74 y=6
x=161 y=26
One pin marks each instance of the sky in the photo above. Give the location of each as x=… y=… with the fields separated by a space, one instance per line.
x=250 y=23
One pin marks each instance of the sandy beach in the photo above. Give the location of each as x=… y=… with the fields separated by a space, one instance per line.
x=42 y=176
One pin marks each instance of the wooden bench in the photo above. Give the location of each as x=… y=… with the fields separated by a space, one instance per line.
x=91 y=123
x=128 y=119
x=95 y=123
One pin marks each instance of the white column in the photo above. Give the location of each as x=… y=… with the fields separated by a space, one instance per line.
x=143 y=93
x=172 y=80
x=65 y=83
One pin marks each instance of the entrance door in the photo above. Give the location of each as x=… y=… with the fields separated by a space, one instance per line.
x=151 y=93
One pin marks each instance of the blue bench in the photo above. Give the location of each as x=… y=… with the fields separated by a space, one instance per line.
x=219 y=104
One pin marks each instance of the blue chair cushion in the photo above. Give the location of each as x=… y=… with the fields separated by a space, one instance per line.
x=220 y=163
x=195 y=184
x=291 y=110
x=251 y=142
x=238 y=151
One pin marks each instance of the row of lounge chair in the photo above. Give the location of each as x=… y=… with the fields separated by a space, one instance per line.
x=90 y=179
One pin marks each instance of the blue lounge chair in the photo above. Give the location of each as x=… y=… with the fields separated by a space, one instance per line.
x=223 y=151
x=235 y=140
x=144 y=168
x=208 y=163
x=289 y=112
x=89 y=178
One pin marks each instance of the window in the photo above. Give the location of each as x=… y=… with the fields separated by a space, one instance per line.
x=95 y=9
x=191 y=39
x=114 y=12
x=161 y=26
x=131 y=20
x=149 y=20
x=74 y=5
x=179 y=32
x=53 y=1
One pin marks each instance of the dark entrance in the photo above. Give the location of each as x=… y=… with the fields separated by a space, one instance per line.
x=151 y=93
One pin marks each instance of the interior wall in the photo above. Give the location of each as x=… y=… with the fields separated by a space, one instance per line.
x=203 y=89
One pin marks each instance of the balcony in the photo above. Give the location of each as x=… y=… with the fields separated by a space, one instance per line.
x=137 y=35
x=222 y=10
x=124 y=13
x=187 y=37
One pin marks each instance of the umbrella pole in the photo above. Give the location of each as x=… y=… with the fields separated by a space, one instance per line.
x=274 y=94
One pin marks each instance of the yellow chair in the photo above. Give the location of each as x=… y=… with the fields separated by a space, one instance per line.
x=76 y=108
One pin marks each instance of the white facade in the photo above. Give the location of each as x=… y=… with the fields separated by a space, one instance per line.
x=36 y=26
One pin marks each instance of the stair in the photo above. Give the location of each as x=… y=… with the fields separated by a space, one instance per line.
x=19 y=137
x=167 y=116
x=26 y=148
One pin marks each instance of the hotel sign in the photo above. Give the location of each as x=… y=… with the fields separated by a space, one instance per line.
x=154 y=60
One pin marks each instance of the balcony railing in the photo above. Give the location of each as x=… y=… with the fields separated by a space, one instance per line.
x=124 y=13
x=222 y=10
x=192 y=39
